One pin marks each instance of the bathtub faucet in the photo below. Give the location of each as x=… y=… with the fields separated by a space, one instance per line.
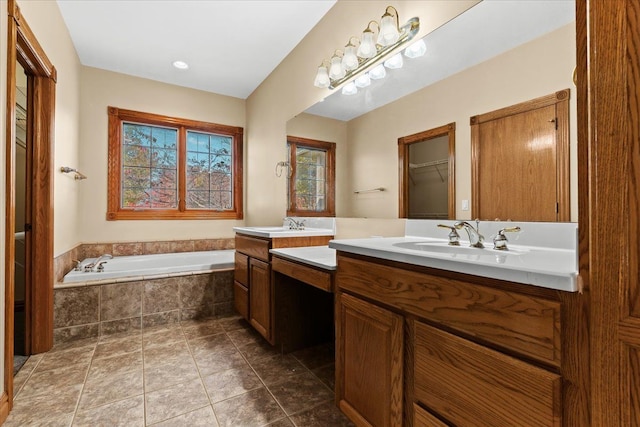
x=97 y=264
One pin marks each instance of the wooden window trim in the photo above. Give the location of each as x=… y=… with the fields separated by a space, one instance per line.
x=330 y=148
x=116 y=212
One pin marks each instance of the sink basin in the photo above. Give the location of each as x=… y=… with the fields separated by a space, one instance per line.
x=455 y=251
x=281 y=231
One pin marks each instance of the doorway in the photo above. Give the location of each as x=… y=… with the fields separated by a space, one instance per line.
x=29 y=208
x=427 y=174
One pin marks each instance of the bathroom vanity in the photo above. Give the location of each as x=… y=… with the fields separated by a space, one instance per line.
x=254 y=294
x=456 y=337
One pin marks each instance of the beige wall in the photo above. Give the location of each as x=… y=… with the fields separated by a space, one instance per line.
x=47 y=24
x=102 y=88
x=540 y=67
x=289 y=90
x=329 y=130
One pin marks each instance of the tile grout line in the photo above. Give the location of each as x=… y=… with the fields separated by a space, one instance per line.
x=84 y=383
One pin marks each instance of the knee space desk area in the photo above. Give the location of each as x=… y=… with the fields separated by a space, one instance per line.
x=303 y=279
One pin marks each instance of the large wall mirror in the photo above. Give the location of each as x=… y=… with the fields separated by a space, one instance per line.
x=495 y=54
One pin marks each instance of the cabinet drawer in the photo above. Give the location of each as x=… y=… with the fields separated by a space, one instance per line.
x=422 y=418
x=468 y=384
x=310 y=275
x=241 y=272
x=253 y=247
x=241 y=299
x=523 y=323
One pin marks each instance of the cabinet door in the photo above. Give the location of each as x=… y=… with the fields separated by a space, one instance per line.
x=369 y=366
x=261 y=298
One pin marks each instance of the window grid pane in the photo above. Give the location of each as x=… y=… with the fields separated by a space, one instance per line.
x=149 y=167
x=310 y=182
x=209 y=172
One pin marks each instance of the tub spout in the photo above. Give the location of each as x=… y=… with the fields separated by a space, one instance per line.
x=95 y=266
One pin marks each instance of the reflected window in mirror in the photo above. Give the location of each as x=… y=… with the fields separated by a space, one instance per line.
x=311 y=187
x=427 y=174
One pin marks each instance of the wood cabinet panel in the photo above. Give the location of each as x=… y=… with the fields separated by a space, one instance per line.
x=312 y=276
x=468 y=384
x=241 y=272
x=296 y=242
x=370 y=366
x=523 y=323
x=422 y=418
x=241 y=299
x=253 y=247
x=261 y=298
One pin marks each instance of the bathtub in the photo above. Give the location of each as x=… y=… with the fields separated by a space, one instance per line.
x=154 y=265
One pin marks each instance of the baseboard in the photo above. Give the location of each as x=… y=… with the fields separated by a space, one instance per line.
x=4 y=407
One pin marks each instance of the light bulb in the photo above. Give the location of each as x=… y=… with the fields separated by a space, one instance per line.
x=394 y=62
x=378 y=72
x=322 y=77
x=349 y=89
x=416 y=50
x=349 y=60
x=367 y=48
x=336 y=71
x=363 y=81
x=389 y=33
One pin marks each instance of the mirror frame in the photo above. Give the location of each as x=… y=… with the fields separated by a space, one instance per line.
x=404 y=142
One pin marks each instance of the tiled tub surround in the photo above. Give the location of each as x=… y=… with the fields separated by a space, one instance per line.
x=63 y=263
x=107 y=308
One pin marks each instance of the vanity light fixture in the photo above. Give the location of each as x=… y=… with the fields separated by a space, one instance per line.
x=346 y=65
x=349 y=89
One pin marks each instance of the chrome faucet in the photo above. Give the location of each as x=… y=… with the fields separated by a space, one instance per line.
x=500 y=241
x=97 y=264
x=475 y=238
x=454 y=237
x=295 y=225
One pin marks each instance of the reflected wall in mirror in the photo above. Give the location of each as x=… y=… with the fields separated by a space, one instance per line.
x=427 y=174
x=495 y=54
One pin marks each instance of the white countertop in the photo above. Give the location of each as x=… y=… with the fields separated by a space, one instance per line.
x=275 y=232
x=552 y=268
x=317 y=256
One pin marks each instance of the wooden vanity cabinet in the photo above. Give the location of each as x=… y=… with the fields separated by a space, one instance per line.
x=470 y=350
x=369 y=344
x=253 y=289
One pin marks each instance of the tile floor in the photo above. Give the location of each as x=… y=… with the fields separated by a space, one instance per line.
x=215 y=372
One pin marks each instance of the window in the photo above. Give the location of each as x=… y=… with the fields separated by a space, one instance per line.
x=312 y=177
x=168 y=168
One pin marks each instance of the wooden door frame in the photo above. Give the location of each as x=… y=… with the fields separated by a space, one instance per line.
x=23 y=47
x=448 y=130
x=561 y=100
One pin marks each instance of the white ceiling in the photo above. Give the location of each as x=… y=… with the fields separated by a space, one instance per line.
x=230 y=46
x=486 y=30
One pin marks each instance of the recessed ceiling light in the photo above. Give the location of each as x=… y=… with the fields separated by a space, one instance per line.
x=181 y=65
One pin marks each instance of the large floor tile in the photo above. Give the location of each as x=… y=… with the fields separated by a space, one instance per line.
x=326 y=414
x=210 y=363
x=203 y=329
x=162 y=376
x=106 y=389
x=109 y=366
x=175 y=400
x=300 y=392
x=123 y=413
x=273 y=369
x=229 y=383
x=173 y=352
x=162 y=336
x=254 y=408
x=48 y=382
x=315 y=357
x=117 y=347
x=202 y=417
x=73 y=356
x=40 y=407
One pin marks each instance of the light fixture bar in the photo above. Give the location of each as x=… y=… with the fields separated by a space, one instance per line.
x=407 y=32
